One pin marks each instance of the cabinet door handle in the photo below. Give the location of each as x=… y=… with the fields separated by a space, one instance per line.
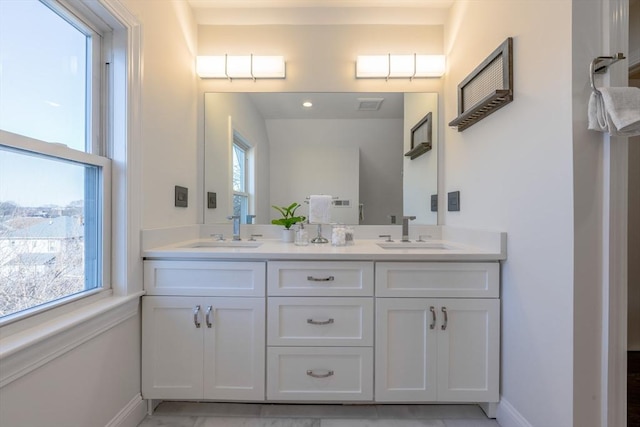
x=196 y=311
x=207 y=317
x=432 y=309
x=314 y=375
x=315 y=322
x=320 y=279
x=446 y=318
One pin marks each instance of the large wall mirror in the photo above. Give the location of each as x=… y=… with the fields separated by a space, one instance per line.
x=264 y=149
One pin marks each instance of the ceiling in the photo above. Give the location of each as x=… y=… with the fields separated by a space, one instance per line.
x=288 y=105
x=320 y=12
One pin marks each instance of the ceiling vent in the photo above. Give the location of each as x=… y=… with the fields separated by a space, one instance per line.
x=369 y=104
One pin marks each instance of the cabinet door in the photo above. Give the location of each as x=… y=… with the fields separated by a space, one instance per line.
x=234 y=353
x=468 y=349
x=405 y=362
x=172 y=347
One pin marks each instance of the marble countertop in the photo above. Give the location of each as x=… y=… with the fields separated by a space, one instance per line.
x=362 y=249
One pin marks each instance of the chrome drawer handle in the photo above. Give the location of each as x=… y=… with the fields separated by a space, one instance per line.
x=323 y=279
x=446 y=318
x=432 y=309
x=196 y=311
x=312 y=374
x=315 y=322
x=207 y=317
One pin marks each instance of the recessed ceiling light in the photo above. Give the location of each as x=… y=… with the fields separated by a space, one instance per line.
x=307 y=104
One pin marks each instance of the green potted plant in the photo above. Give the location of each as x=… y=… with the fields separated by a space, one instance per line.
x=288 y=219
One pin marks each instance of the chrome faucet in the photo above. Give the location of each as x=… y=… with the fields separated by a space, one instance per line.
x=236 y=226
x=405 y=227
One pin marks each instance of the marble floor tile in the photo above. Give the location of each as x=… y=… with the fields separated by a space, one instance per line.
x=168 y=421
x=380 y=423
x=256 y=422
x=471 y=423
x=209 y=408
x=320 y=411
x=433 y=412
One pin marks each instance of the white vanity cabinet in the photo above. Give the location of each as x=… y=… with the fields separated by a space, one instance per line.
x=437 y=332
x=320 y=331
x=210 y=344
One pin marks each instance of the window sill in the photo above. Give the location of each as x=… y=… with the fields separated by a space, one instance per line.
x=27 y=350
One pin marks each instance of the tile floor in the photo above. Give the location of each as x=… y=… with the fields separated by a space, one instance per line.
x=191 y=414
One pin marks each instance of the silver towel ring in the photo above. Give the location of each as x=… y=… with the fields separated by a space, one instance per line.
x=600 y=65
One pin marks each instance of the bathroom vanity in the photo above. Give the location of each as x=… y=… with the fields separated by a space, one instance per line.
x=365 y=323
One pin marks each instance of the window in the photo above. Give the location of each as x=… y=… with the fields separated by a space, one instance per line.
x=242 y=178
x=54 y=177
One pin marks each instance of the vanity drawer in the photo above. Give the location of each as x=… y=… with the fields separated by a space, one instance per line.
x=204 y=278
x=438 y=279
x=320 y=321
x=320 y=278
x=318 y=373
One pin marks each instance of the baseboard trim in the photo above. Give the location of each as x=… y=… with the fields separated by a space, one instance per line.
x=508 y=416
x=131 y=415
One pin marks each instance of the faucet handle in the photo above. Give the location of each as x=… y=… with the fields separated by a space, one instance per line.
x=253 y=236
x=388 y=236
x=233 y=217
x=422 y=236
x=220 y=236
x=409 y=217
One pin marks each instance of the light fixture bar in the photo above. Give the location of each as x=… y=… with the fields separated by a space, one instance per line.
x=399 y=66
x=240 y=67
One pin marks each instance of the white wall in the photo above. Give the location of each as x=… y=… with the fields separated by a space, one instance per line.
x=514 y=171
x=87 y=386
x=380 y=163
x=420 y=174
x=224 y=113
x=169 y=112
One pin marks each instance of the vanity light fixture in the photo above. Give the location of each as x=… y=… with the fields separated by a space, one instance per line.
x=240 y=67
x=399 y=66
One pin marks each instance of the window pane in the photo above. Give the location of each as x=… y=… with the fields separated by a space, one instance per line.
x=43 y=69
x=241 y=206
x=239 y=168
x=49 y=229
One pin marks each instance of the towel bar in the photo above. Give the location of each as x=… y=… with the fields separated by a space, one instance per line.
x=600 y=65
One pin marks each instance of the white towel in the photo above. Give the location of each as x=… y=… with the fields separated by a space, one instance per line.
x=319 y=206
x=616 y=111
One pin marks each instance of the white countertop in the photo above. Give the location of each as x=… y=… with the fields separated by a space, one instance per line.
x=362 y=249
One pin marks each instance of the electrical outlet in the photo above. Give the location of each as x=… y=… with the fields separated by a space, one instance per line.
x=453 y=200
x=212 y=202
x=181 y=198
x=434 y=203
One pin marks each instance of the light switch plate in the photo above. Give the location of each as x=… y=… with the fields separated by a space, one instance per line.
x=453 y=199
x=212 y=201
x=434 y=203
x=181 y=197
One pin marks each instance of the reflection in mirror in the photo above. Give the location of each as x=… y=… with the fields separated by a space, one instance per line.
x=348 y=145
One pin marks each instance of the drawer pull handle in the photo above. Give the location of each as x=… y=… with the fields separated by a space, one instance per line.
x=315 y=322
x=314 y=375
x=446 y=318
x=320 y=279
x=432 y=309
x=196 y=311
x=208 y=316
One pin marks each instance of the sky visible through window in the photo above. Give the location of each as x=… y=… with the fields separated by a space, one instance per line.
x=42 y=95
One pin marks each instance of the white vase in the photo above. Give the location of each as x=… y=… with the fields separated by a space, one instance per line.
x=287 y=235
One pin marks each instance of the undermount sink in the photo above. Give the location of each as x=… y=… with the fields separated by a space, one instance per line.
x=224 y=244
x=414 y=245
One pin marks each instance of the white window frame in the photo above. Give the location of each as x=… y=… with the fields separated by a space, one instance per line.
x=249 y=175
x=96 y=148
x=122 y=284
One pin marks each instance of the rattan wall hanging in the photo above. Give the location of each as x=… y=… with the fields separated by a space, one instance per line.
x=487 y=89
